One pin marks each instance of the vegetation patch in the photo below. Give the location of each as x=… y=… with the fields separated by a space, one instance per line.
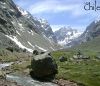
x=82 y=71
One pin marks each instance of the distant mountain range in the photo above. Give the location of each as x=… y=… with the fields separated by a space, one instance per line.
x=69 y=37
x=92 y=31
x=65 y=35
x=90 y=38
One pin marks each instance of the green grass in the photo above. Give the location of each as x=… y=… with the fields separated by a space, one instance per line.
x=7 y=56
x=23 y=59
x=22 y=68
x=85 y=72
x=93 y=45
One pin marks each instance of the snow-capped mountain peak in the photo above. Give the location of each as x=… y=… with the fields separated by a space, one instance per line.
x=23 y=12
x=43 y=21
x=66 y=35
x=97 y=19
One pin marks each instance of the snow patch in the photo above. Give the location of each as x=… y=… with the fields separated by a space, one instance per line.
x=69 y=38
x=97 y=19
x=43 y=21
x=40 y=48
x=3 y=3
x=12 y=10
x=48 y=39
x=18 y=33
x=20 y=25
x=12 y=22
x=52 y=48
x=30 y=44
x=5 y=65
x=76 y=35
x=62 y=43
x=42 y=26
x=14 y=39
x=23 y=12
x=31 y=32
x=3 y=7
x=69 y=33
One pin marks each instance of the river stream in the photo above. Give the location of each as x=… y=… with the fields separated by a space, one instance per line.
x=24 y=80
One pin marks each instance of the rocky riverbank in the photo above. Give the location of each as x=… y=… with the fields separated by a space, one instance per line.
x=18 y=73
x=62 y=82
x=4 y=82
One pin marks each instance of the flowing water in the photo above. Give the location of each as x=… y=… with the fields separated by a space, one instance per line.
x=3 y=65
x=24 y=80
x=28 y=81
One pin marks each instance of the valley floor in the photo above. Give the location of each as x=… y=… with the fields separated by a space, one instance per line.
x=72 y=72
x=21 y=66
x=85 y=72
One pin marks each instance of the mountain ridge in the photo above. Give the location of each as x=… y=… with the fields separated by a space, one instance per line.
x=20 y=27
x=65 y=35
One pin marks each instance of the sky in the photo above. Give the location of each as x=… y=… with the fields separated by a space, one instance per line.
x=61 y=13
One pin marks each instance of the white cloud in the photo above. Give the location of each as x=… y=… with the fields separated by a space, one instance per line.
x=54 y=6
x=75 y=8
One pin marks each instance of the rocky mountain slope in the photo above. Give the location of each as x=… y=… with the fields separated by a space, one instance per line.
x=19 y=28
x=89 y=37
x=93 y=45
x=69 y=37
x=66 y=35
x=92 y=31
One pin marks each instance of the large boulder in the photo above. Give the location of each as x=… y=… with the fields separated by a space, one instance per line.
x=35 y=52
x=62 y=59
x=81 y=57
x=43 y=66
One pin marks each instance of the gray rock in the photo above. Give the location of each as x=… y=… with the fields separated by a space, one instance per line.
x=98 y=57
x=80 y=57
x=35 y=52
x=43 y=66
x=62 y=59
